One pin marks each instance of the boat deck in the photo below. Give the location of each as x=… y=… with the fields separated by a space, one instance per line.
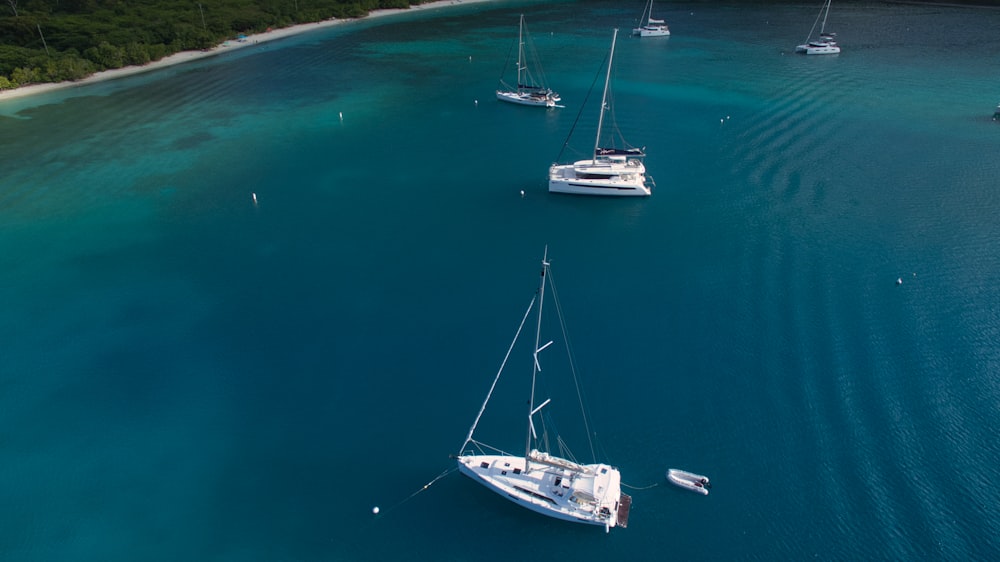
x=624 y=505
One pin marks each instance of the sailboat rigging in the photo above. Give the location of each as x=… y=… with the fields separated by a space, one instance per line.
x=541 y=481
x=526 y=91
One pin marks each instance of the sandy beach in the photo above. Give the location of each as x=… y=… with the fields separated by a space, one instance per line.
x=229 y=45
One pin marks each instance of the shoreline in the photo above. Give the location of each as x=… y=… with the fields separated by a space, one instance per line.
x=226 y=46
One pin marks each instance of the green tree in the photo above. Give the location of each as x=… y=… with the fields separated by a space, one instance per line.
x=106 y=55
x=86 y=36
x=136 y=54
x=22 y=76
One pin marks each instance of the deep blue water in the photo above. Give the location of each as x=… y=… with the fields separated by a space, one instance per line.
x=187 y=375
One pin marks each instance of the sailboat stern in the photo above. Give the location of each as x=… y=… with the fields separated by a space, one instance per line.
x=624 y=506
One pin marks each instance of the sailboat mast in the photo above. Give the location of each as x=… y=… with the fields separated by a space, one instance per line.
x=604 y=97
x=534 y=357
x=520 y=52
x=822 y=27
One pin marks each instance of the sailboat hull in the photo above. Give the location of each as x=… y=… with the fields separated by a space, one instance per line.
x=523 y=98
x=589 y=494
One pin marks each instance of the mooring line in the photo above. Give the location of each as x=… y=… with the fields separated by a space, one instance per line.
x=642 y=488
x=376 y=509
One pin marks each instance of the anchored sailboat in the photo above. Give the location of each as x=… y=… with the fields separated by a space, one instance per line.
x=826 y=44
x=542 y=482
x=526 y=91
x=651 y=27
x=611 y=171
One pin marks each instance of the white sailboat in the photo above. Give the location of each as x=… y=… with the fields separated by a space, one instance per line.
x=542 y=482
x=526 y=91
x=651 y=27
x=826 y=44
x=611 y=171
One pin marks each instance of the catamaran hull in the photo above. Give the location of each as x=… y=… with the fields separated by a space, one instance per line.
x=651 y=31
x=582 y=178
x=582 y=187
x=817 y=49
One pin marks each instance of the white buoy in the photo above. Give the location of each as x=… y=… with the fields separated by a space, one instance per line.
x=375 y=510
x=476 y=102
x=254 y=197
x=899 y=280
x=522 y=193
x=721 y=121
x=341 y=115
x=470 y=58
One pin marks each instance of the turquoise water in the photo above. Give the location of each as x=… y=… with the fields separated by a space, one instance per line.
x=188 y=375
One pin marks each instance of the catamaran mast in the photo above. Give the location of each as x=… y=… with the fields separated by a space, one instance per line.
x=604 y=97
x=534 y=357
x=822 y=27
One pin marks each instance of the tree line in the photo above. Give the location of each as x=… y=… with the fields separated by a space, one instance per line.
x=58 y=40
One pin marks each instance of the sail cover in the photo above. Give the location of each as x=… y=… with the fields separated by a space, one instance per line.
x=619 y=152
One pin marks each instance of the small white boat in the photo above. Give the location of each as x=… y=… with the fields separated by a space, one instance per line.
x=689 y=480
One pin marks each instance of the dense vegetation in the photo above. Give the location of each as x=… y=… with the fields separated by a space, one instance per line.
x=57 y=40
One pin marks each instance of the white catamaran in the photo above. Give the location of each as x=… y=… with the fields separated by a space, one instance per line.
x=526 y=92
x=826 y=44
x=548 y=484
x=651 y=27
x=611 y=171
